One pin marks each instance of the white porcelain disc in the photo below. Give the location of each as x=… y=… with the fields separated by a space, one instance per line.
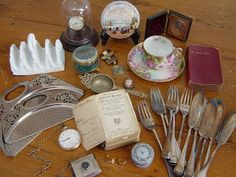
x=120 y=19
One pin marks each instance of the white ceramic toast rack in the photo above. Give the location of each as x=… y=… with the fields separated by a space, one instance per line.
x=31 y=58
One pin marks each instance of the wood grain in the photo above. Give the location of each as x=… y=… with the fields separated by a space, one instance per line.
x=213 y=25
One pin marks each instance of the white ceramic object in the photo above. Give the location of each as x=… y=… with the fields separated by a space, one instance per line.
x=141 y=69
x=159 y=52
x=142 y=155
x=120 y=19
x=158 y=46
x=30 y=58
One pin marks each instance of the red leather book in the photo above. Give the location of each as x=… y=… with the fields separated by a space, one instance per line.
x=204 y=68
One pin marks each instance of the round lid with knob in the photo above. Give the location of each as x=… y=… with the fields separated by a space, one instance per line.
x=142 y=155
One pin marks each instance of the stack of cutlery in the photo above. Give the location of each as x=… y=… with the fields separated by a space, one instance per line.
x=204 y=120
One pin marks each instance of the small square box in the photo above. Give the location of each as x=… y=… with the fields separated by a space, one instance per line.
x=86 y=166
x=172 y=23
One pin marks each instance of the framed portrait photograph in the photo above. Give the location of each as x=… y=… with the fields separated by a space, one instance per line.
x=178 y=25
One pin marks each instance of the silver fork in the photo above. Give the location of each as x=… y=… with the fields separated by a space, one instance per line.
x=158 y=106
x=171 y=147
x=147 y=120
x=184 y=106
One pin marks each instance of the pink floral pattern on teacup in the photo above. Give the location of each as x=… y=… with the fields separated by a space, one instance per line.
x=170 y=59
x=155 y=63
x=150 y=64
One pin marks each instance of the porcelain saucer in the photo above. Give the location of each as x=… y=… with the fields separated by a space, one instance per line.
x=137 y=65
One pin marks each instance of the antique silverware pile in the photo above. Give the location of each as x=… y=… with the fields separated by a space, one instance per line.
x=204 y=120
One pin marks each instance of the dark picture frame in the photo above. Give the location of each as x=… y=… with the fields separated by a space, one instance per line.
x=178 y=25
x=171 y=23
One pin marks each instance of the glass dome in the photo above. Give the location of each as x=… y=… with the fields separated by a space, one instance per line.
x=79 y=31
x=72 y=9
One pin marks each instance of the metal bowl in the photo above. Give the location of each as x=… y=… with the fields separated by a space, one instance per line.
x=102 y=83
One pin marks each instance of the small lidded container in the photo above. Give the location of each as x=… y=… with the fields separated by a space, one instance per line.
x=85 y=59
x=142 y=155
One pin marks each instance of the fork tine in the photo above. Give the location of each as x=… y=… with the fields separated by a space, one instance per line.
x=185 y=96
x=142 y=111
x=188 y=97
x=152 y=96
x=161 y=99
x=174 y=92
x=139 y=112
x=177 y=94
x=191 y=97
x=182 y=97
x=146 y=110
x=157 y=97
x=169 y=93
x=158 y=94
x=154 y=99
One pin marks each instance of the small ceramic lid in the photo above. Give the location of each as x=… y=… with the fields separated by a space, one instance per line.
x=142 y=155
x=120 y=19
x=85 y=55
x=158 y=46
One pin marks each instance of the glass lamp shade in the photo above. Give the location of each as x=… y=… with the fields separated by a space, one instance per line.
x=79 y=31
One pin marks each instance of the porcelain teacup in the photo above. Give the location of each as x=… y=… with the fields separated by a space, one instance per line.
x=159 y=52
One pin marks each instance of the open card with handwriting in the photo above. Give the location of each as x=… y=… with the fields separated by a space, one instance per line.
x=107 y=118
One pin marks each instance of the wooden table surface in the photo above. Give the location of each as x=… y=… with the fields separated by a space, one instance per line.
x=214 y=24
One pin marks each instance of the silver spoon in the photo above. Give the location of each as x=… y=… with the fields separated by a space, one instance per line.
x=207 y=122
x=222 y=137
x=215 y=127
